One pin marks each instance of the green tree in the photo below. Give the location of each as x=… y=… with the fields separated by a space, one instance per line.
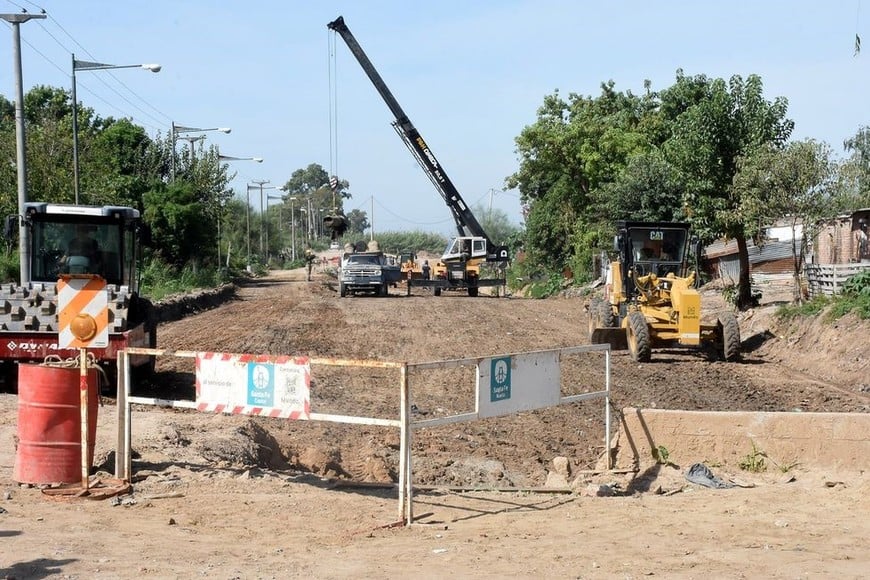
x=573 y=149
x=797 y=183
x=175 y=217
x=730 y=120
x=496 y=224
x=648 y=188
x=855 y=171
x=358 y=220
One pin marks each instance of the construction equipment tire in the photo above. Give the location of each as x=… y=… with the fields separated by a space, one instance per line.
x=638 y=337
x=729 y=337
x=473 y=291
x=594 y=307
x=606 y=318
x=342 y=291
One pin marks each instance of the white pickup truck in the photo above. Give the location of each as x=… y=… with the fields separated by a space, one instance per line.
x=367 y=272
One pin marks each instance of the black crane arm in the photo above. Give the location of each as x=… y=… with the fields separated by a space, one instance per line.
x=466 y=223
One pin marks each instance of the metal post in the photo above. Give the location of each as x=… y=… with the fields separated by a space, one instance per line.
x=21 y=150
x=262 y=219
x=248 y=228
x=172 y=154
x=75 y=121
x=292 y=231
x=259 y=184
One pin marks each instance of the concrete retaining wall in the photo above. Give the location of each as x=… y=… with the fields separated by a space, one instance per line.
x=811 y=440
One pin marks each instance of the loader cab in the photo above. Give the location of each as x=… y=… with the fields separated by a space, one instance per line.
x=659 y=248
x=70 y=239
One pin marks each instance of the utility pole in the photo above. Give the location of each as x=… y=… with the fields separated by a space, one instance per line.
x=21 y=149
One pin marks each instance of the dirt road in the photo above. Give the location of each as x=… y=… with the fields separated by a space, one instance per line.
x=239 y=497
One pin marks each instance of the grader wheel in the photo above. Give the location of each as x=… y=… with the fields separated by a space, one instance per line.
x=638 y=337
x=729 y=337
x=606 y=318
x=593 y=310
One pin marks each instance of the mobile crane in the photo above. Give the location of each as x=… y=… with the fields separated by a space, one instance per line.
x=459 y=268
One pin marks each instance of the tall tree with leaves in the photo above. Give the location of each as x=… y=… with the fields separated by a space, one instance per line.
x=855 y=171
x=575 y=147
x=728 y=121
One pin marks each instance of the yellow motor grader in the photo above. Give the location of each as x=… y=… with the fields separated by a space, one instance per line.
x=650 y=297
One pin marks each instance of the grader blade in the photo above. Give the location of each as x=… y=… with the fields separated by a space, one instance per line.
x=616 y=337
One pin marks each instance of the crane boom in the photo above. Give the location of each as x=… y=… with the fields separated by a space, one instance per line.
x=466 y=223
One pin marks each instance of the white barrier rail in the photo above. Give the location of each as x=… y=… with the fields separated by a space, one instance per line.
x=506 y=384
x=538 y=386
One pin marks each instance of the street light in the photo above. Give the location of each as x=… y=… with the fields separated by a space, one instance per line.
x=280 y=220
x=192 y=141
x=292 y=230
x=88 y=65
x=179 y=129
x=260 y=185
x=247 y=208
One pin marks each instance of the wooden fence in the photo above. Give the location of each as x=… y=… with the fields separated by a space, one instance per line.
x=828 y=279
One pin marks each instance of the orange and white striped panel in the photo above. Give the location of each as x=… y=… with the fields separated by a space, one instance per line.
x=82 y=295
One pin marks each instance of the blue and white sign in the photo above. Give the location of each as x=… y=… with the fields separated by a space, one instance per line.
x=500 y=379
x=261 y=384
x=509 y=384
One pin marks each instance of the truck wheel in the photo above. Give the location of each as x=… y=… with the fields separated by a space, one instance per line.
x=385 y=290
x=638 y=337
x=342 y=291
x=729 y=337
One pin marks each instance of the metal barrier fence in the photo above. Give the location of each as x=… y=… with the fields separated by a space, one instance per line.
x=506 y=384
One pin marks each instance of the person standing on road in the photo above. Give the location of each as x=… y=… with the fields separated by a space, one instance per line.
x=309 y=261
x=426 y=270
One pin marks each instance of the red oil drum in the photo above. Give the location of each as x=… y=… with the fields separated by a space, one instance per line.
x=49 y=423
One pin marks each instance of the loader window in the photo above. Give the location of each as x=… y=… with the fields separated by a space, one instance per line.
x=76 y=248
x=661 y=245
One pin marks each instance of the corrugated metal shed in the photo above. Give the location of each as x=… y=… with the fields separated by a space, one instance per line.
x=773 y=257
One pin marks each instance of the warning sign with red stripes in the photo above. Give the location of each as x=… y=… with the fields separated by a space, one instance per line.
x=271 y=386
x=83 y=312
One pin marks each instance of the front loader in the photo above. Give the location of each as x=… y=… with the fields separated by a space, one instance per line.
x=650 y=298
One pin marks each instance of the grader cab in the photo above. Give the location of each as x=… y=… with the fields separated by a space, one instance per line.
x=650 y=297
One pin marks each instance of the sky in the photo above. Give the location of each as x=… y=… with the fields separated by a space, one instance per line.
x=469 y=75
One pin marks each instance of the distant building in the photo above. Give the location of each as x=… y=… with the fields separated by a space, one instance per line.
x=843 y=239
x=774 y=256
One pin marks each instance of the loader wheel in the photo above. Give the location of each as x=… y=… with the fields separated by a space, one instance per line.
x=606 y=318
x=638 y=337
x=473 y=291
x=729 y=337
x=437 y=292
x=594 y=307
